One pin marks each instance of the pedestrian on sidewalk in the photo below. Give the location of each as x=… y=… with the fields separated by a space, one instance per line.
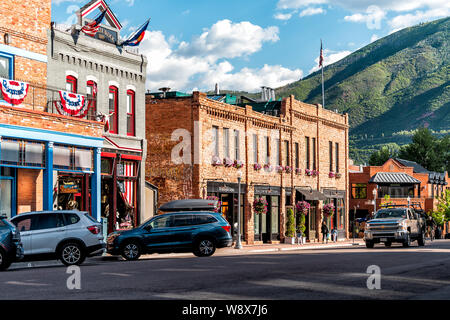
x=299 y=236
x=334 y=235
x=325 y=232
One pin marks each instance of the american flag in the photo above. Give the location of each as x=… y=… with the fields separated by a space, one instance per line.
x=321 y=55
x=129 y=184
x=91 y=28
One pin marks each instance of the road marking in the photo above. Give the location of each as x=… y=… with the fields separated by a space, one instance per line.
x=116 y=274
x=29 y=284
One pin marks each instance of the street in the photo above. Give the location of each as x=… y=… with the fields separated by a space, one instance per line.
x=328 y=273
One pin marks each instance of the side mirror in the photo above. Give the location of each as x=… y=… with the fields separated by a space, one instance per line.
x=148 y=228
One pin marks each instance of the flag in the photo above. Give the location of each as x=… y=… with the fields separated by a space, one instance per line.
x=136 y=38
x=91 y=28
x=321 y=55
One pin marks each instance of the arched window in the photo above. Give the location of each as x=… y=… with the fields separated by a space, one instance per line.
x=131 y=110
x=113 y=109
x=71 y=84
x=91 y=90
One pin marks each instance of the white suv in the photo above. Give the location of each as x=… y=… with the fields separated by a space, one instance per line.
x=69 y=236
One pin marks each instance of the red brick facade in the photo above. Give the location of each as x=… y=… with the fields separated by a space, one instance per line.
x=169 y=118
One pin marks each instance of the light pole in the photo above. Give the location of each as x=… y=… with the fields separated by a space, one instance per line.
x=374 y=192
x=409 y=201
x=354 y=218
x=238 y=240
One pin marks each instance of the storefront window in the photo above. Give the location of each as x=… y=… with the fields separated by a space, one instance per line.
x=34 y=154
x=275 y=214
x=83 y=159
x=62 y=157
x=359 y=191
x=107 y=166
x=340 y=213
x=9 y=152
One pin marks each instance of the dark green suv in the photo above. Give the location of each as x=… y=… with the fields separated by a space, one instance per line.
x=11 y=248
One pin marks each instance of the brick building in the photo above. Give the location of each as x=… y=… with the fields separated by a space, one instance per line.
x=114 y=80
x=197 y=143
x=37 y=144
x=397 y=179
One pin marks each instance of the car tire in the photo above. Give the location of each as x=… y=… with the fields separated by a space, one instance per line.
x=5 y=262
x=388 y=244
x=370 y=244
x=131 y=251
x=421 y=240
x=204 y=247
x=407 y=242
x=72 y=253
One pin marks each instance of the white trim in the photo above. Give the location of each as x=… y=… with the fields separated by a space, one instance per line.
x=114 y=83
x=23 y=53
x=91 y=78
x=131 y=87
x=72 y=73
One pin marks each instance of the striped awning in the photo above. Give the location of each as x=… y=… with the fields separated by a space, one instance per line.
x=393 y=177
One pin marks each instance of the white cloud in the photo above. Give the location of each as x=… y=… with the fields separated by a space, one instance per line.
x=407 y=20
x=311 y=12
x=372 y=18
x=330 y=57
x=180 y=67
x=283 y=16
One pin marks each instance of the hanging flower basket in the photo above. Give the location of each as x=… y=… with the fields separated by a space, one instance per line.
x=298 y=171
x=227 y=162
x=308 y=172
x=216 y=162
x=288 y=169
x=279 y=169
x=268 y=168
x=315 y=173
x=338 y=175
x=331 y=175
x=328 y=210
x=303 y=207
x=260 y=206
x=238 y=164
x=257 y=167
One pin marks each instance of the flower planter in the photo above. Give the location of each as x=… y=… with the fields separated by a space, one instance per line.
x=289 y=240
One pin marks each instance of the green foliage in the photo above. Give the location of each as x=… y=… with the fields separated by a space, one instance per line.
x=439 y=218
x=379 y=157
x=301 y=223
x=290 y=223
x=443 y=207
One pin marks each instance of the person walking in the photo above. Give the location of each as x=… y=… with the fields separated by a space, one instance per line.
x=325 y=232
x=299 y=236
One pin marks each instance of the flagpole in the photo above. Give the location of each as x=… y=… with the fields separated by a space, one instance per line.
x=323 y=84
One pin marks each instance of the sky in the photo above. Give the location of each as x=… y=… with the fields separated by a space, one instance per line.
x=243 y=45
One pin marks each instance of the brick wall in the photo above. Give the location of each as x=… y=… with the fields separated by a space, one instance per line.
x=30 y=184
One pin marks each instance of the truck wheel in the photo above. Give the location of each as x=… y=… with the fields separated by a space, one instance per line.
x=369 y=244
x=407 y=242
x=421 y=240
x=5 y=262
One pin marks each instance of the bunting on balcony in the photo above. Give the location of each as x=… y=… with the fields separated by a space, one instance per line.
x=14 y=92
x=72 y=104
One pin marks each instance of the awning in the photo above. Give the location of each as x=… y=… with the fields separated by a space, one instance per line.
x=312 y=195
x=393 y=177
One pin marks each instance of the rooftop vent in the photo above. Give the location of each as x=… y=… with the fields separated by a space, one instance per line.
x=217 y=91
x=164 y=91
x=267 y=94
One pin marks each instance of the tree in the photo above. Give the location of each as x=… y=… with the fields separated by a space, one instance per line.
x=444 y=149
x=290 y=223
x=443 y=206
x=378 y=158
x=424 y=150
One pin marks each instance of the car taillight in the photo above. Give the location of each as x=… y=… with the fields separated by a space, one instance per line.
x=94 y=229
x=227 y=228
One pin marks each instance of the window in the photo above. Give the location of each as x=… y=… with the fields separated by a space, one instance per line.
x=113 y=106
x=308 y=156
x=25 y=223
x=6 y=66
x=91 y=90
x=267 y=150
x=71 y=219
x=226 y=142
x=331 y=155
x=277 y=152
x=236 y=144
x=204 y=219
x=131 y=109
x=359 y=191
x=215 y=141
x=162 y=222
x=297 y=162
x=50 y=221
x=71 y=84
x=255 y=148
x=314 y=164
x=183 y=220
x=337 y=156
x=287 y=160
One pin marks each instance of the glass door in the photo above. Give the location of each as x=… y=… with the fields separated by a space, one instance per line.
x=7 y=197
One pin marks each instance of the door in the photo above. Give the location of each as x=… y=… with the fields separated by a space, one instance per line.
x=311 y=225
x=183 y=228
x=274 y=218
x=7 y=197
x=265 y=222
x=48 y=233
x=25 y=225
x=158 y=234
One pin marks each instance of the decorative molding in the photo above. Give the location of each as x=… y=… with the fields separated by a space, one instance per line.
x=23 y=53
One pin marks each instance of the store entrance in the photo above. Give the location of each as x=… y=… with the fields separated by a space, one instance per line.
x=73 y=192
x=6 y=196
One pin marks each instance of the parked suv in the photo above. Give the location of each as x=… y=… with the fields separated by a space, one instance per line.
x=10 y=246
x=186 y=231
x=69 y=236
x=398 y=224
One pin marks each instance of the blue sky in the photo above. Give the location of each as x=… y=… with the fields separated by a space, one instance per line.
x=243 y=45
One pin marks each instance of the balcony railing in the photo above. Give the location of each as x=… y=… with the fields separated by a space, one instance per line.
x=45 y=99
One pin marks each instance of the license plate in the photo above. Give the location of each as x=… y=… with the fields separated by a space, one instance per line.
x=383 y=239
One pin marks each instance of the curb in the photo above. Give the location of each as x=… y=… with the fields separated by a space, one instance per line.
x=306 y=248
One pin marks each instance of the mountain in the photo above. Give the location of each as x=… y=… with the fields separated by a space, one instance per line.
x=389 y=88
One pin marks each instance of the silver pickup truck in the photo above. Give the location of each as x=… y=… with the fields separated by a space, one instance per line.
x=390 y=225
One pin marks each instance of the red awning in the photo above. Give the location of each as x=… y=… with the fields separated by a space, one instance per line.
x=108 y=155
x=131 y=157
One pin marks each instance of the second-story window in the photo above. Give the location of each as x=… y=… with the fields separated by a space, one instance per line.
x=337 y=156
x=267 y=150
x=308 y=155
x=71 y=84
x=215 y=141
x=131 y=110
x=277 y=152
x=91 y=90
x=297 y=154
x=113 y=109
x=255 y=148
x=236 y=144
x=314 y=152
x=226 y=142
x=331 y=156
x=286 y=147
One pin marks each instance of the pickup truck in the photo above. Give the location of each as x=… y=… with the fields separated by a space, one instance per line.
x=11 y=248
x=402 y=225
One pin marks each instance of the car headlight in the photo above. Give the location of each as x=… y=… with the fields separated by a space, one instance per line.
x=402 y=225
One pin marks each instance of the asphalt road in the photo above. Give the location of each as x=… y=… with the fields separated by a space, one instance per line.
x=339 y=273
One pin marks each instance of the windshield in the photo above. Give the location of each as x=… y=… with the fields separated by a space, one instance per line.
x=391 y=213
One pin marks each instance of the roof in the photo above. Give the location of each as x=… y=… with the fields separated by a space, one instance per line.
x=417 y=168
x=225 y=98
x=102 y=6
x=169 y=94
x=269 y=107
x=393 y=177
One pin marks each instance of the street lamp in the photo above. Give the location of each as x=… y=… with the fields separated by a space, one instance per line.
x=354 y=218
x=409 y=201
x=374 y=192
x=238 y=240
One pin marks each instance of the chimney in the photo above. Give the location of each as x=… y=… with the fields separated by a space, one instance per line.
x=263 y=94
x=164 y=90
x=217 y=89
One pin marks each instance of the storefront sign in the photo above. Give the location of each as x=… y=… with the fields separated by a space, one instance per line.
x=267 y=190
x=69 y=187
x=220 y=187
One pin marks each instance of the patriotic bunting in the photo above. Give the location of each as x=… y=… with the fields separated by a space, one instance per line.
x=72 y=104
x=91 y=28
x=14 y=92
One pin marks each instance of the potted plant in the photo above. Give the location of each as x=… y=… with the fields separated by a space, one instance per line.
x=216 y=162
x=238 y=164
x=227 y=162
x=331 y=175
x=315 y=173
x=308 y=172
x=268 y=167
x=301 y=227
x=260 y=205
x=290 y=227
x=328 y=210
x=288 y=169
x=257 y=167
